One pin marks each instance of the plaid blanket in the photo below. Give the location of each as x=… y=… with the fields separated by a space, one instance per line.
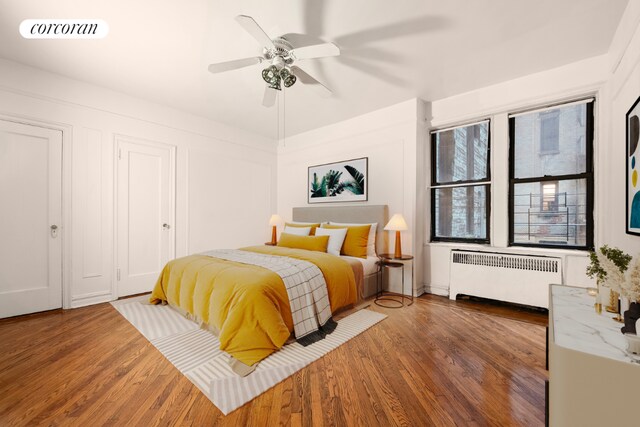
x=306 y=288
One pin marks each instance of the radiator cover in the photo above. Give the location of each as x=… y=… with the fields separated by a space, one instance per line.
x=522 y=279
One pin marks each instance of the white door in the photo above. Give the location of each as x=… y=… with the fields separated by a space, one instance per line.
x=30 y=216
x=145 y=214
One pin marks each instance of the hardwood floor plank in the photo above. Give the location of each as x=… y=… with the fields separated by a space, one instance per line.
x=437 y=362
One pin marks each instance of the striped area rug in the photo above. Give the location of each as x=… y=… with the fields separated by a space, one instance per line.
x=195 y=352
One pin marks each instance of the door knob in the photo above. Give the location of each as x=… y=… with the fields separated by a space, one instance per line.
x=54 y=230
x=166 y=226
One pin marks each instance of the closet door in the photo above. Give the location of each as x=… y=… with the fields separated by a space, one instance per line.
x=30 y=216
x=146 y=212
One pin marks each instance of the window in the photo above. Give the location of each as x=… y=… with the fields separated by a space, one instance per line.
x=551 y=177
x=460 y=184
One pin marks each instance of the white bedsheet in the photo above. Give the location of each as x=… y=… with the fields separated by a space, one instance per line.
x=368 y=264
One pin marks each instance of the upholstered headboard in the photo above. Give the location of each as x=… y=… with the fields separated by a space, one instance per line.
x=354 y=214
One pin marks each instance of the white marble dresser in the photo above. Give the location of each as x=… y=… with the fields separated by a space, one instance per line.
x=592 y=379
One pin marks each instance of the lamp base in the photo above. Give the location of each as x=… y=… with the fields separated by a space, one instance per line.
x=274 y=237
x=398 y=251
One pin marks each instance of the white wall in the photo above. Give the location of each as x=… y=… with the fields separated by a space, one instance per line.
x=614 y=80
x=572 y=81
x=226 y=177
x=622 y=90
x=388 y=137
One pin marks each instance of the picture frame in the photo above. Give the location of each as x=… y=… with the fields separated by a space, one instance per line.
x=344 y=181
x=632 y=176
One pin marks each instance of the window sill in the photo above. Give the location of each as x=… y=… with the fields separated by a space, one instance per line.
x=521 y=250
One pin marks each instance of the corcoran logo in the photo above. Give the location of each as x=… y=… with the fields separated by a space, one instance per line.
x=64 y=28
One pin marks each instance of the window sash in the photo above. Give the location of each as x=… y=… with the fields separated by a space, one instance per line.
x=487 y=216
x=587 y=175
x=434 y=156
x=484 y=181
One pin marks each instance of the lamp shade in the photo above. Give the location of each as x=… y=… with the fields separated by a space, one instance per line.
x=396 y=223
x=275 y=220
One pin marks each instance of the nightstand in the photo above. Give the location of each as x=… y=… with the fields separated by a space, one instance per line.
x=270 y=244
x=382 y=296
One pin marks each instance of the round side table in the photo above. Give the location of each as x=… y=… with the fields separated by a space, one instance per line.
x=385 y=298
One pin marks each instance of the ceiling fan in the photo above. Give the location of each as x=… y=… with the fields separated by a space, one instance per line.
x=281 y=56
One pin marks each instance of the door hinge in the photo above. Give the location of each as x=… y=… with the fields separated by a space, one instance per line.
x=118 y=274
x=119 y=153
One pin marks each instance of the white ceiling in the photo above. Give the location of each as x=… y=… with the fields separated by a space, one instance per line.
x=391 y=50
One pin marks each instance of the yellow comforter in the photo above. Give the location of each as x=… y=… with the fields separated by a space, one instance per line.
x=247 y=305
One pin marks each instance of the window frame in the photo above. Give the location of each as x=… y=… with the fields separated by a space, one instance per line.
x=486 y=182
x=588 y=175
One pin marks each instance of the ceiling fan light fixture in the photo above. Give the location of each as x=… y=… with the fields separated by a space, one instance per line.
x=270 y=74
x=287 y=77
x=275 y=84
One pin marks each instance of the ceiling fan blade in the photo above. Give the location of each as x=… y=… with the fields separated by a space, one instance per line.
x=316 y=51
x=306 y=79
x=269 y=97
x=233 y=65
x=252 y=27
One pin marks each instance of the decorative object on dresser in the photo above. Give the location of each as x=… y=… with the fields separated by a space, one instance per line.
x=344 y=181
x=397 y=224
x=274 y=221
x=621 y=273
x=632 y=167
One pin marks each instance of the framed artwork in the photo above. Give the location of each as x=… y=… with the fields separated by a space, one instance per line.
x=633 y=159
x=344 y=181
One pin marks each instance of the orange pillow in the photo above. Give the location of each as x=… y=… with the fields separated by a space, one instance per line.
x=355 y=242
x=310 y=243
x=313 y=226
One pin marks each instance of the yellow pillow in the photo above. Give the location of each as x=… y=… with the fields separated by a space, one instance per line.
x=355 y=242
x=313 y=226
x=310 y=243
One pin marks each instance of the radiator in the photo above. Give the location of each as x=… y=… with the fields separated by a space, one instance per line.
x=521 y=279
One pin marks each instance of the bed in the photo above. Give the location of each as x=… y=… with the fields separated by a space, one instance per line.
x=244 y=298
x=354 y=214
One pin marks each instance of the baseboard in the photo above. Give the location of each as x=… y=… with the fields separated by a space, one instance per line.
x=90 y=299
x=436 y=290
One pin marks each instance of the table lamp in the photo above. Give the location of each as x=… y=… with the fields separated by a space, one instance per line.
x=397 y=224
x=273 y=222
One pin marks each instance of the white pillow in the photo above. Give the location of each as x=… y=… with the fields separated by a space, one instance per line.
x=336 y=238
x=298 y=231
x=371 y=239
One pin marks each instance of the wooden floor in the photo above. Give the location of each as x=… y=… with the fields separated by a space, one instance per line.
x=434 y=363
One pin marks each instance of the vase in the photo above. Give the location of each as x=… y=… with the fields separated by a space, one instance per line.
x=631 y=316
x=614 y=304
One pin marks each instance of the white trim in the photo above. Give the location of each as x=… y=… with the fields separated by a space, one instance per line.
x=90 y=298
x=464 y=125
x=436 y=290
x=552 y=107
x=466 y=184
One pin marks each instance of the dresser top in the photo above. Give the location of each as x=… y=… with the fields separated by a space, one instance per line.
x=577 y=326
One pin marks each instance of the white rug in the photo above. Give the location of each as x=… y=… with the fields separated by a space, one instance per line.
x=195 y=352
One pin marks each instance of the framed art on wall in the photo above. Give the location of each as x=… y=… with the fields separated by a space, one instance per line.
x=632 y=159
x=344 y=181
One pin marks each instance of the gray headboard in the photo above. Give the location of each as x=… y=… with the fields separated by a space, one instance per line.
x=355 y=214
